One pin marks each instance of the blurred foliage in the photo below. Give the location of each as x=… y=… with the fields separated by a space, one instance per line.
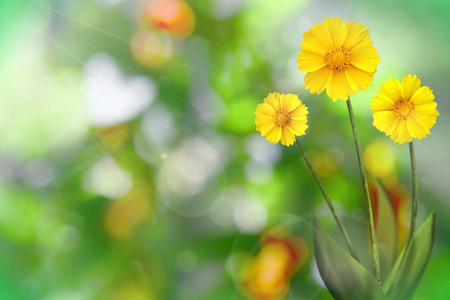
x=129 y=163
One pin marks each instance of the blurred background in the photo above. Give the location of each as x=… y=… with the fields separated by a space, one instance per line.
x=130 y=167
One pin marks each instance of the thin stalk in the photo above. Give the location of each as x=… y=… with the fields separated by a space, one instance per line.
x=330 y=204
x=415 y=200
x=362 y=170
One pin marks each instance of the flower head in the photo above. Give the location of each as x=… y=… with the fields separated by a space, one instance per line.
x=281 y=117
x=337 y=56
x=404 y=110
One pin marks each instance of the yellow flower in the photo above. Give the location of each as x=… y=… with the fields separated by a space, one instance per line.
x=281 y=117
x=337 y=56
x=404 y=110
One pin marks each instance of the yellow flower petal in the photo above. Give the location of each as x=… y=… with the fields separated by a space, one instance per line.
x=338 y=30
x=381 y=103
x=365 y=58
x=265 y=128
x=339 y=87
x=289 y=102
x=356 y=33
x=427 y=109
x=297 y=127
x=422 y=95
x=416 y=129
x=273 y=100
x=300 y=113
x=310 y=62
x=385 y=121
x=358 y=77
x=403 y=134
x=351 y=82
x=262 y=119
x=319 y=35
x=312 y=45
x=393 y=89
x=287 y=137
x=410 y=85
x=274 y=135
x=316 y=81
x=426 y=121
x=265 y=109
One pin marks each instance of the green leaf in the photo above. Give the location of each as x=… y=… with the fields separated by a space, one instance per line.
x=386 y=230
x=416 y=262
x=345 y=278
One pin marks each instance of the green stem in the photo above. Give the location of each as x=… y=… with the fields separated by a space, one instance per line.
x=330 y=204
x=415 y=201
x=362 y=170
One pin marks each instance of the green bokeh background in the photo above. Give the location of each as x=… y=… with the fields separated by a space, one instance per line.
x=161 y=205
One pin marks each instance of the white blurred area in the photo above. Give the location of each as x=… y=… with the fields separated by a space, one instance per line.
x=239 y=209
x=223 y=9
x=207 y=103
x=263 y=157
x=110 y=3
x=111 y=97
x=40 y=106
x=250 y=215
x=191 y=175
x=158 y=127
x=192 y=182
x=106 y=178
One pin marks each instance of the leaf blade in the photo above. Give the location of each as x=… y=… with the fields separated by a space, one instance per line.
x=344 y=277
x=416 y=262
x=386 y=230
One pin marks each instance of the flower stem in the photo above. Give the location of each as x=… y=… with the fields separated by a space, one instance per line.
x=362 y=170
x=415 y=200
x=330 y=204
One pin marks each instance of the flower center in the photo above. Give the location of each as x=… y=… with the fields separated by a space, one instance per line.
x=338 y=59
x=403 y=109
x=282 y=118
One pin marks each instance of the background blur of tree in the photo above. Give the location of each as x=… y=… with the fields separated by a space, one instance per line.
x=129 y=163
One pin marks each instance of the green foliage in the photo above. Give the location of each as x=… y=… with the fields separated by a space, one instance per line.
x=347 y=279
x=57 y=237
x=387 y=231
x=344 y=277
x=416 y=261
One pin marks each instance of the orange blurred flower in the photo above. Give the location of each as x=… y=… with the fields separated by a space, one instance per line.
x=124 y=215
x=380 y=159
x=399 y=196
x=173 y=16
x=267 y=275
